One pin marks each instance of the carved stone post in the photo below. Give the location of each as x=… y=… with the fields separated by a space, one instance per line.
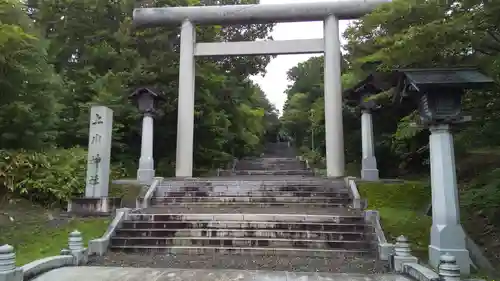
x=369 y=169
x=8 y=269
x=447 y=234
x=402 y=253
x=448 y=269
x=146 y=171
x=96 y=200
x=77 y=248
x=100 y=137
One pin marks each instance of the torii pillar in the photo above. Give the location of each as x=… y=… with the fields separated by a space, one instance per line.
x=328 y=12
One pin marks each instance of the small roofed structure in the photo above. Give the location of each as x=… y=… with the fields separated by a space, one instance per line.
x=438 y=90
x=443 y=84
x=146 y=98
x=372 y=85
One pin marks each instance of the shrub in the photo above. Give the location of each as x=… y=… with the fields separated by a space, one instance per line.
x=46 y=177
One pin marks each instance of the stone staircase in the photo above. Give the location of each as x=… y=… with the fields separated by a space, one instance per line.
x=306 y=221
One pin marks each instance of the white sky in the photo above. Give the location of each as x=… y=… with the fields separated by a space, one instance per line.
x=274 y=83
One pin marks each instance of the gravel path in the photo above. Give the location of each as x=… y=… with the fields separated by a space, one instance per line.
x=362 y=265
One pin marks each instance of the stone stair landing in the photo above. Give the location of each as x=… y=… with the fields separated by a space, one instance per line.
x=278 y=159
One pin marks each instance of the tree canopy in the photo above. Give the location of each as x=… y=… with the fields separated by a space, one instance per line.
x=406 y=34
x=60 y=57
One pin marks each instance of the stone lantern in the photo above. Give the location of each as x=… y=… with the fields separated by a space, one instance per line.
x=438 y=93
x=361 y=94
x=146 y=100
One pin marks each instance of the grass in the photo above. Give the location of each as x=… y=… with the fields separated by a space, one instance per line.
x=401 y=207
x=37 y=232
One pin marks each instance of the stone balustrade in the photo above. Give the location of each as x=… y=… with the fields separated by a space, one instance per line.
x=75 y=255
x=402 y=261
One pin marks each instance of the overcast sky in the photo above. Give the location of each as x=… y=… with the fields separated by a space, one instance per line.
x=274 y=83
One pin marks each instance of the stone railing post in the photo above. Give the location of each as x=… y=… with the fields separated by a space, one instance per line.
x=402 y=248
x=76 y=247
x=8 y=269
x=402 y=254
x=448 y=269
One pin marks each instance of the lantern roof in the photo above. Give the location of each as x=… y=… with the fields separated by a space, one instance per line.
x=146 y=90
x=407 y=80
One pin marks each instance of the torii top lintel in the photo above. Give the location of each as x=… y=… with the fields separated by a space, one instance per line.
x=255 y=14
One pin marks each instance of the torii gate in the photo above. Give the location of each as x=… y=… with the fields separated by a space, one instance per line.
x=328 y=12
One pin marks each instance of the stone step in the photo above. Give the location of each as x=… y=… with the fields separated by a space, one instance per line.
x=216 y=204
x=269 y=159
x=250 y=188
x=267 y=213
x=165 y=188
x=235 y=232
x=271 y=168
x=274 y=172
x=261 y=165
x=251 y=199
x=240 y=242
x=250 y=225
x=268 y=180
x=274 y=163
x=259 y=193
x=267 y=218
x=264 y=251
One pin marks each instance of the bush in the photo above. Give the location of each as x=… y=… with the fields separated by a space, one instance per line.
x=47 y=177
x=314 y=157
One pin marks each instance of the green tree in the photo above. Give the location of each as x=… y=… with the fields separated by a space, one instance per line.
x=31 y=90
x=103 y=58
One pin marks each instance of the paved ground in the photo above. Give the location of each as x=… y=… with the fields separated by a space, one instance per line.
x=150 y=274
x=342 y=263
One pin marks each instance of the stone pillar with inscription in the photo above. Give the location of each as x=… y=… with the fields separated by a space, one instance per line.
x=96 y=198
x=99 y=149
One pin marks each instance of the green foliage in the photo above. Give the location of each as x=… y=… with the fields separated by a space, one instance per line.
x=483 y=195
x=47 y=177
x=60 y=57
x=404 y=34
x=30 y=87
x=402 y=211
